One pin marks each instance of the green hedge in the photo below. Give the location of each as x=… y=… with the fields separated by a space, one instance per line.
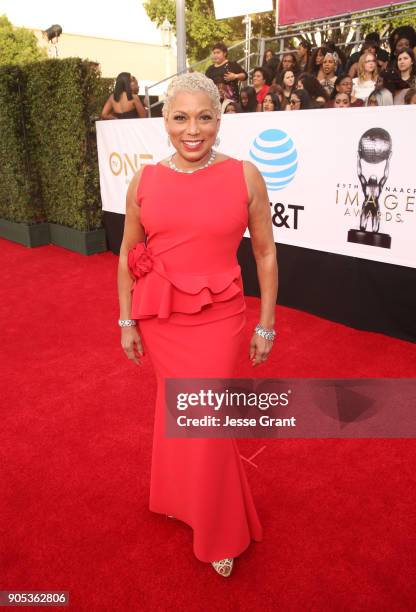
x=17 y=202
x=53 y=170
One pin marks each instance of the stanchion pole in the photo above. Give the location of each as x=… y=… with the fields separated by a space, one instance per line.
x=181 y=35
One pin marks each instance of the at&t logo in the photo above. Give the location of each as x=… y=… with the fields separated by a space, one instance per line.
x=275 y=155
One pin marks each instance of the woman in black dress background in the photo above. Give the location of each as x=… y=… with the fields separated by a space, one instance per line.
x=124 y=102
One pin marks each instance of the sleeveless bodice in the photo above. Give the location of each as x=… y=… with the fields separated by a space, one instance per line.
x=131 y=114
x=193 y=224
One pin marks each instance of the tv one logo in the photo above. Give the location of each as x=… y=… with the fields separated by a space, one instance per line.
x=126 y=164
x=275 y=155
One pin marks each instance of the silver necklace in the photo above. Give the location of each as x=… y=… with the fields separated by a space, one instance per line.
x=173 y=166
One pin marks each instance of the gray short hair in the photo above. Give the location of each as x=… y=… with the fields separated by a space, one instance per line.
x=193 y=82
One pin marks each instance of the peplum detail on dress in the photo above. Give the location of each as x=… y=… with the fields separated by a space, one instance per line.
x=158 y=292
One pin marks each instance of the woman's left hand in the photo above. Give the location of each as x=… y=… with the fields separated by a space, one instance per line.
x=259 y=349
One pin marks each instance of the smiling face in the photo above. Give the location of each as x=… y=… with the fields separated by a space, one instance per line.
x=342 y=100
x=289 y=79
x=258 y=79
x=192 y=124
x=328 y=65
x=268 y=103
x=404 y=62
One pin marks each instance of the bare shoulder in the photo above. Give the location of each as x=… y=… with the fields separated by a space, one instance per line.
x=254 y=179
x=133 y=185
x=251 y=171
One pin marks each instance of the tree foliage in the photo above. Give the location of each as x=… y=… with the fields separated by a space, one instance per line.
x=344 y=34
x=202 y=29
x=389 y=22
x=18 y=45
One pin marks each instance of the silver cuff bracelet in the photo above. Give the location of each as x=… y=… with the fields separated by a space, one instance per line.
x=269 y=334
x=126 y=322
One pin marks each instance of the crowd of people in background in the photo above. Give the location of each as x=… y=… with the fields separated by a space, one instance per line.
x=324 y=77
x=304 y=78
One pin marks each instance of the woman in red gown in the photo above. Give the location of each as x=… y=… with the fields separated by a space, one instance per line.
x=185 y=218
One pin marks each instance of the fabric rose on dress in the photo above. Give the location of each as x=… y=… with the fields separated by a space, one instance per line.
x=140 y=260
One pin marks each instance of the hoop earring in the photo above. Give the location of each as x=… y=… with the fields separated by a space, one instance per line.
x=217 y=141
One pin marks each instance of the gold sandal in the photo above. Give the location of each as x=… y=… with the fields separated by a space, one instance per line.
x=223 y=567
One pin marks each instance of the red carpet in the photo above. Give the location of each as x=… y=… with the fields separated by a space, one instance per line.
x=339 y=516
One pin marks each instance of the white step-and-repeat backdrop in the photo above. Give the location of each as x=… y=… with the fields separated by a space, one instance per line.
x=339 y=180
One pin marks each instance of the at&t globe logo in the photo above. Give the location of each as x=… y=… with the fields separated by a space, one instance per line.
x=275 y=155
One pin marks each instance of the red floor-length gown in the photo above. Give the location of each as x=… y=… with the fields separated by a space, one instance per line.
x=188 y=298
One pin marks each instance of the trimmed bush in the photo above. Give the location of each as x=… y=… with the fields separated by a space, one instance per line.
x=17 y=202
x=48 y=153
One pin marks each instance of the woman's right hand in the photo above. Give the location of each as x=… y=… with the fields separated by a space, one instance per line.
x=132 y=344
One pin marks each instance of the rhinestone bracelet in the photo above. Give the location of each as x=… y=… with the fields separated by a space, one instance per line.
x=126 y=322
x=269 y=334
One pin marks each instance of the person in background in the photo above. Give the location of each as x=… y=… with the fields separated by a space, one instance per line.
x=223 y=92
x=271 y=103
x=315 y=63
x=344 y=84
x=410 y=97
x=395 y=84
x=224 y=71
x=278 y=90
x=314 y=88
x=368 y=47
x=365 y=83
x=329 y=67
x=342 y=100
x=331 y=47
x=271 y=62
x=248 y=100
x=288 y=83
x=382 y=93
x=406 y=67
x=289 y=61
x=260 y=85
x=403 y=37
x=372 y=45
x=304 y=53
x=230 y=107
x=267 y=57
x=299 y=100
x=124 y=102
x=372 y=99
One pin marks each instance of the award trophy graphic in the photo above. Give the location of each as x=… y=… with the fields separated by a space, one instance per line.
x=374 y=148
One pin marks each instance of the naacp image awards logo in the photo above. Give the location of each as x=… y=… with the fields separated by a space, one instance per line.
x=375 y=150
